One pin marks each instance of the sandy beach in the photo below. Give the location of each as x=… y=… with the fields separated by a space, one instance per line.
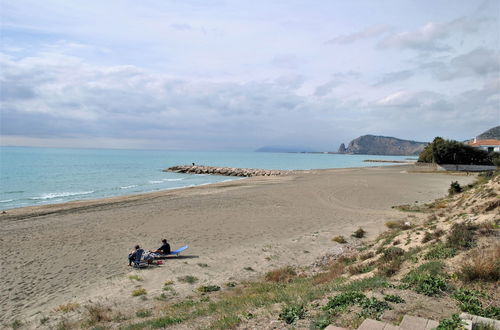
x=236 y=230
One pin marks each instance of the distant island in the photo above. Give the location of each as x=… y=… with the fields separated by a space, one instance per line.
x=283 y=149
x=382 y=145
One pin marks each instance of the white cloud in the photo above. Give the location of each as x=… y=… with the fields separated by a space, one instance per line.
x=404 y=99
x=428 y=114
x=366 y=33
x=480 y=62
x=433 y=36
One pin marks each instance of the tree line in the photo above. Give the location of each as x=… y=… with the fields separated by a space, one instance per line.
x=441 y=151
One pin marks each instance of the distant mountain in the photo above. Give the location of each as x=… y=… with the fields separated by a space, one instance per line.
x=384 y=145
x=342 y=149
x=284 y=149
x=492 y=133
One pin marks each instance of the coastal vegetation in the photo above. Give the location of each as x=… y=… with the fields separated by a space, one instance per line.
x=139 y=292
x=339 y=239
x=188 y=279
x=442 y=151
x=359 y=233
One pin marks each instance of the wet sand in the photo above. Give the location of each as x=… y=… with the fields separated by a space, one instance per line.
x=77 y=251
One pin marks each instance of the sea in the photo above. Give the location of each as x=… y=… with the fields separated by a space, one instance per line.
x=35 y=176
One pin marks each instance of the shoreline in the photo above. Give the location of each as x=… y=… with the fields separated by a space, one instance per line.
x=83 y=204
x=260 y=223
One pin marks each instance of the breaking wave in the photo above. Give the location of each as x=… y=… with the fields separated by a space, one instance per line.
x=62 y=194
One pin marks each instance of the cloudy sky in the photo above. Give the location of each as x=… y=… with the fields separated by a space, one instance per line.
x=238 y=75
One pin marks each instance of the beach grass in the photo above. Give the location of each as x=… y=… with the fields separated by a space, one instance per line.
x=227 y=310
x=135 y=278
x=188 y=279
x=339 y=239
x=69 y=307
x=139 y=292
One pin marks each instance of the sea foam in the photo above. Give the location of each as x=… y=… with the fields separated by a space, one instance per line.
x=62 y=194
x=128 y=187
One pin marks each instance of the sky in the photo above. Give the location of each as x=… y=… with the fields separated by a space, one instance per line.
x=239 y=75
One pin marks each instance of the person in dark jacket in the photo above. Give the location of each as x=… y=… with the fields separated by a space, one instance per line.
x=164 y=248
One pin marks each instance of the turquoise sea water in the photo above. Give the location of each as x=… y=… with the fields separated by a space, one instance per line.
x=34 y=176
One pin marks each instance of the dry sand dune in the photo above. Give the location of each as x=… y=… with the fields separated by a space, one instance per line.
x=78 y=250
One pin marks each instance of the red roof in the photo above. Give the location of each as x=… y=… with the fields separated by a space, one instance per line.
x=491 y=142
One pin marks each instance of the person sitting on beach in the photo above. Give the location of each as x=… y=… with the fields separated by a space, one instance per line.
x=132 y=255
x=164 y=249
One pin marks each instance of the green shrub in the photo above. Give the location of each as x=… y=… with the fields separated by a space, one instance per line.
x=430 y=285
x=427 y=237
x=392 y=253
x=139 y=292
x=339 y=239
x=340 y=302
x=453 y=323
x=391 y=268
x=391 y=260
x=16 y=324
x=188 y=279
x=372 y=307
x=461 y=236
x=359 y=233
x=470 y=303
x=163 y=322
x=427 y=279
x=454 y=188
x=322 y=321
x=291 y=313
x=209 y=288
x=440 y=251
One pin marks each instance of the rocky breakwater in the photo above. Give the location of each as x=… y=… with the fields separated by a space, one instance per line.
x=227 y=171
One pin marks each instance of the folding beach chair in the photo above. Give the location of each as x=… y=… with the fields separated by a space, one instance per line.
x=138 y=262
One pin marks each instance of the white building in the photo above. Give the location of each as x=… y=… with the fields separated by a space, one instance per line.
x=488 y=145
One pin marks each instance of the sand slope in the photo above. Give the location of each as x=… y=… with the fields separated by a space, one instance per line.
x=78 y=250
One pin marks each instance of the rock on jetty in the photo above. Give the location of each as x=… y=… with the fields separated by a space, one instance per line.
x=227 y=171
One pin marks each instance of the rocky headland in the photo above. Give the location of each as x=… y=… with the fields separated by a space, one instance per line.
x=382 y=145
x=227 y=171
x=491 y=134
